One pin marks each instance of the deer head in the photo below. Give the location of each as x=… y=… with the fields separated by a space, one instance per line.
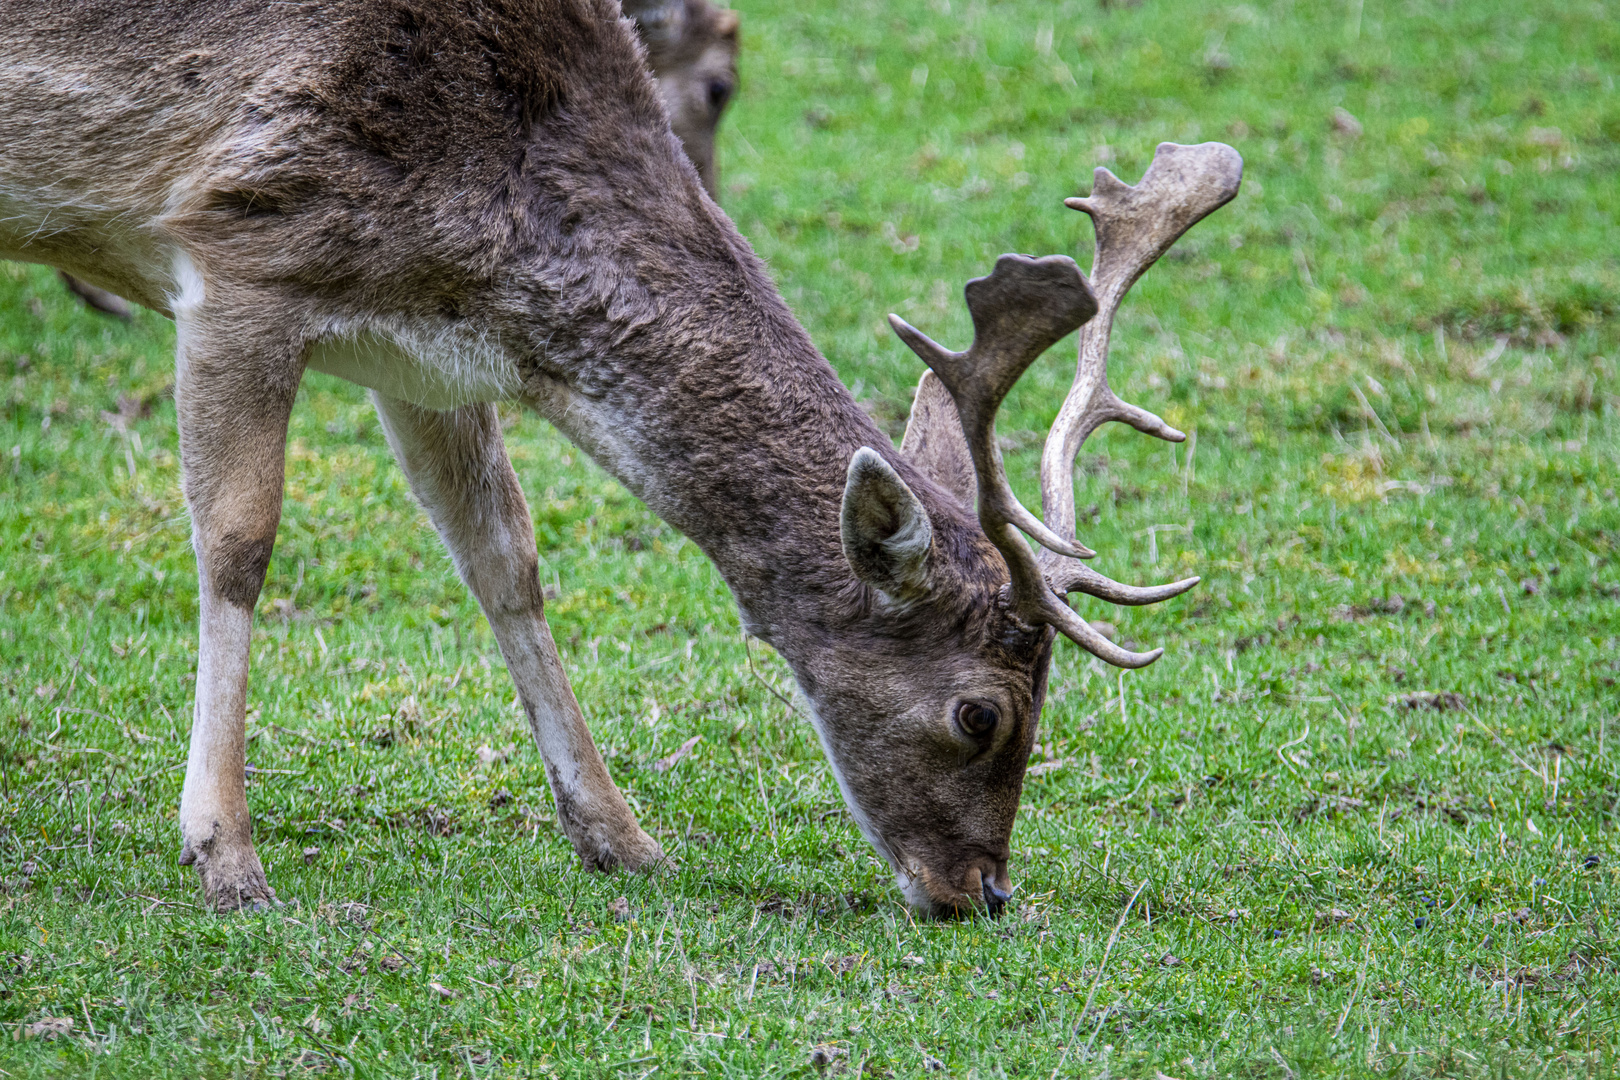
x=692 y=50
x=936 y=788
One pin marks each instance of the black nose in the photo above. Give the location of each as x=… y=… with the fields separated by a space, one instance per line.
x=994 y=898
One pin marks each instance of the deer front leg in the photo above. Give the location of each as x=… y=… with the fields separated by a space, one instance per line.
x=458 y=468
x=234 y=396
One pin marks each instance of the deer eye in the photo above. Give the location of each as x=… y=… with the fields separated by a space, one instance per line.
x=976 y=718
x=719 y=94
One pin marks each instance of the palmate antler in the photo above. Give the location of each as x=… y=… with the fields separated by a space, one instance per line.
x=1025 y=306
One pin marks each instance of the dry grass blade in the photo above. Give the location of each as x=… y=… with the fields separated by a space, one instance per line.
x=664 y=764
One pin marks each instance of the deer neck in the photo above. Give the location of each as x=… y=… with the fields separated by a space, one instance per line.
x=712 y=405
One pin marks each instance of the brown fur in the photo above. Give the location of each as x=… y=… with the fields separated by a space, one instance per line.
x=497 y=179
x=692 y=51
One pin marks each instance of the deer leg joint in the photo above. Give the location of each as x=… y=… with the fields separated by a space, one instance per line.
x=237 y=565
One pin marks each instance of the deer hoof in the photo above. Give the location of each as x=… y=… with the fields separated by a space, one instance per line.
x=631 y=850
x=232 y=879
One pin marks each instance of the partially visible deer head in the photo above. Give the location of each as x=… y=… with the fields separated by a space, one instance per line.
x=692 y=50
x=938 y=789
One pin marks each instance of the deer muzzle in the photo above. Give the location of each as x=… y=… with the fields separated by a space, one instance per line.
x=985 y=886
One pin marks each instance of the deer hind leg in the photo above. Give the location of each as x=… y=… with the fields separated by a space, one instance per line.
x=458 y=468
x=234 y=395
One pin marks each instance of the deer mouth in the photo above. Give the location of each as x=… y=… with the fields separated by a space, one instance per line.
x=982 y=889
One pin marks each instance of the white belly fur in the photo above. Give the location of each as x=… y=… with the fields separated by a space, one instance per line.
x=432 y=369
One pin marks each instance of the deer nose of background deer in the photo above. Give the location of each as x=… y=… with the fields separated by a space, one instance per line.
x=995 y=898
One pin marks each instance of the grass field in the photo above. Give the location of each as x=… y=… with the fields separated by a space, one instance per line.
x=1360 y=820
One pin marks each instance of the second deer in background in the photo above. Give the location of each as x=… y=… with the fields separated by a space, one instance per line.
x=692 y=51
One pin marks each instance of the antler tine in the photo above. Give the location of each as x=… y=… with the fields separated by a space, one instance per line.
x=1134 y=225
x=1020 y=310
x=1072 y=576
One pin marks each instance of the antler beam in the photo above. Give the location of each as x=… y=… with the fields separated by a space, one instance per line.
x=1023 y=308
x=1134 y=225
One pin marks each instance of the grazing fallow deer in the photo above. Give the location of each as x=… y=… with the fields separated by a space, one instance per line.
x=455 y=202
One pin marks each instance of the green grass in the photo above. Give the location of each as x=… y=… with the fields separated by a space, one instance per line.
x=1335 y=884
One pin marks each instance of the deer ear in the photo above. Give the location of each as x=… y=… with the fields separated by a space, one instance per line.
x=885 y=529
x=659 y=22
x=935 y=444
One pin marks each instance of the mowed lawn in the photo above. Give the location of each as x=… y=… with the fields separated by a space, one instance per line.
x=1359 y=820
